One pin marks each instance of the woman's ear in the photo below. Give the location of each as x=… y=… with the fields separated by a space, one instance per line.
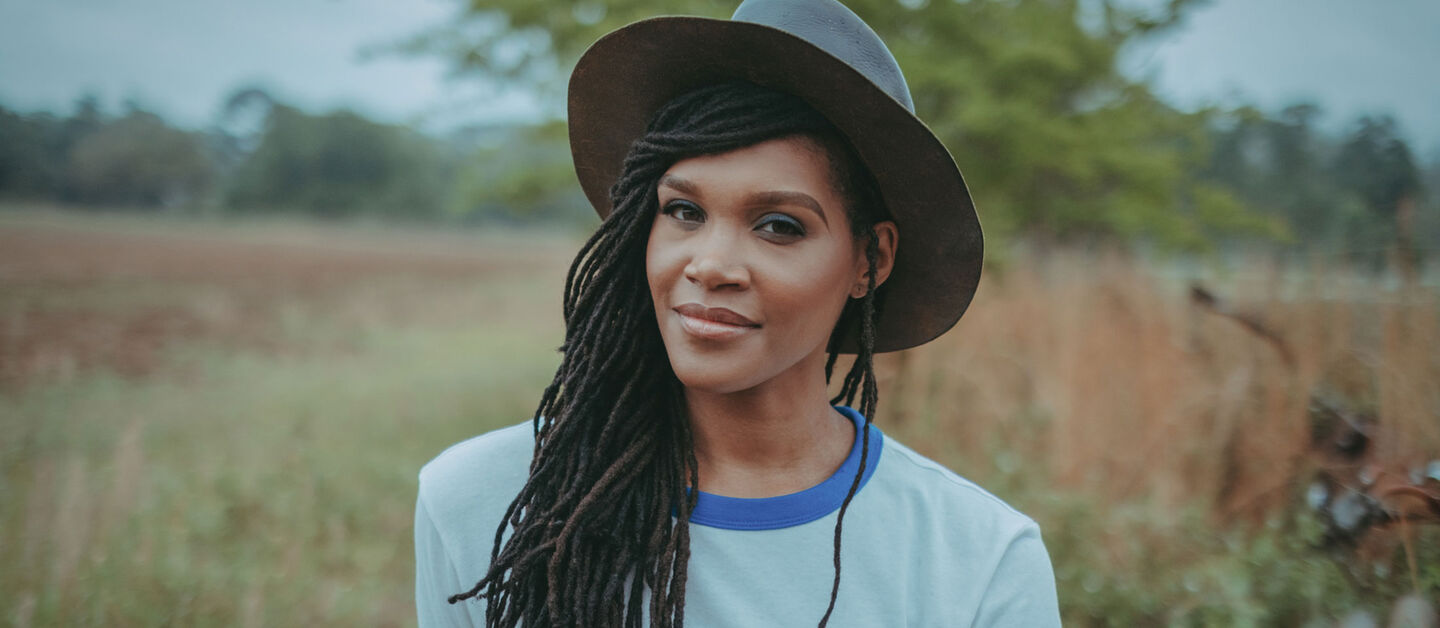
x=887 y=239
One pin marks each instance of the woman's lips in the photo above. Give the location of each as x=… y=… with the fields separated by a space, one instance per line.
x=713 y=323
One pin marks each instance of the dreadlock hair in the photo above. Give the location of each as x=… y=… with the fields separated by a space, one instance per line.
x=605 y=512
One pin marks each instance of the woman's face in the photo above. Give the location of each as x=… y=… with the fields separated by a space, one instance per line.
x=750 y=262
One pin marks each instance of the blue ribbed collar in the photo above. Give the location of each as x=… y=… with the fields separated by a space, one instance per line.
x=771 y=513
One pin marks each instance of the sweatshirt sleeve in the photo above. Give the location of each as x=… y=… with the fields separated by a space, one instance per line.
x=1022 y=589
x=436 y=579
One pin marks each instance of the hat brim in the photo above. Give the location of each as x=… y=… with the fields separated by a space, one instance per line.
x=627 y=75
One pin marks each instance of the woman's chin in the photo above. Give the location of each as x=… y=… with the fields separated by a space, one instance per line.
x=708 y=376
x=744 y=368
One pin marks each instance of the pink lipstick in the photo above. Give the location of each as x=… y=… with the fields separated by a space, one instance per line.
x=713 y=323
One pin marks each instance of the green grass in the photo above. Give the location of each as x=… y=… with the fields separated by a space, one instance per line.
x=259 y=490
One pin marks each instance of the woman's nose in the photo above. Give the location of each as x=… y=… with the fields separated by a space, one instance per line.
x=717 y=264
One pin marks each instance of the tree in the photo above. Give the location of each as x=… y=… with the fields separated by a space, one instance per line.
x=1278 y=165
x=138 y=160
x=1054 y=140
x=339 y=164
x=27 y=168
x=1376 y=165
x=35 y=150
x=522 y=174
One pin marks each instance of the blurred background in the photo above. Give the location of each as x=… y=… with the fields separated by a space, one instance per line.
x=261 y=261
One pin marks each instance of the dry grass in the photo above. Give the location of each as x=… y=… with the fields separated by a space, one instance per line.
x=1116 y=385
x=1176 y=428
x=80 y=293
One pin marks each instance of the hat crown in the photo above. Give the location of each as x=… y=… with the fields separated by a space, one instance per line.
x=834 y=28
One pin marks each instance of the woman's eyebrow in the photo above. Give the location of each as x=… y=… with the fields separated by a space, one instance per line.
x=774 y=197
x=682 y=186
x=789 y=198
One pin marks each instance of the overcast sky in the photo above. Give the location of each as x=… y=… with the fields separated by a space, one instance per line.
x=180 y=57
x=1353 y=57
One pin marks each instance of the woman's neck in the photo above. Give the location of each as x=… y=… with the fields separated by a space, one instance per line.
x=774 y=439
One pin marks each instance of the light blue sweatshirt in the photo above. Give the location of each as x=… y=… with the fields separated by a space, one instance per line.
x=922 y=546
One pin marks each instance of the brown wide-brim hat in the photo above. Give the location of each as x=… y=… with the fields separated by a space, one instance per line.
x=822 y=52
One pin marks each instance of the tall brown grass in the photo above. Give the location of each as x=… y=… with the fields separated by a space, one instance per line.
x=1094 y=380
x=1103 y=378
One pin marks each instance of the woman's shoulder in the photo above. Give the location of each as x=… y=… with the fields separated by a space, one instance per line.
x=498 y=442
x=477 y=475
x=481 y=453
x=970 y=536
x=942 y=495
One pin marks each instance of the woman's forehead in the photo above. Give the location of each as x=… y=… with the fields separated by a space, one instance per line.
x=787 y=164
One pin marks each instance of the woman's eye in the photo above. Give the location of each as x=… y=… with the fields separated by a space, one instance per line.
x=781 y=225
x=684 y=211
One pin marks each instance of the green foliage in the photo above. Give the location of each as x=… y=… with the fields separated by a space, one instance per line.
x=337 y=165
x=282 y=159
x=525 y=176
x=139 y=160
x=136 y=160
x=1376 y=165
x=1273 y=163
x=1138 y=565
x=29 y=167
x=1361 y=195
x=1054 y=140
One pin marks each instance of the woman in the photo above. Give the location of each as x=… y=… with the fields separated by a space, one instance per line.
x=757 y=177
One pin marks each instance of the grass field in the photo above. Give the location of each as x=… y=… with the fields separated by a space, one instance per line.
x=206 y=423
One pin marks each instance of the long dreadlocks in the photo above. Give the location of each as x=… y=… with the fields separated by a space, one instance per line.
x=605 y=513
